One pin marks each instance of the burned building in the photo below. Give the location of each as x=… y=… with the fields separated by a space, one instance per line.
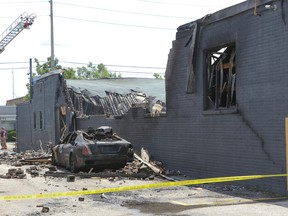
x=225 y=98
x=225 y=84
x=57 y=105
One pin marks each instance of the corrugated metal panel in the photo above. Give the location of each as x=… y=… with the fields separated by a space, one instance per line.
x=112 y=102
x=152 y=87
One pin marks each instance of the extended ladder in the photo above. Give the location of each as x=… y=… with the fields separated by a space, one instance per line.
x=24 y=21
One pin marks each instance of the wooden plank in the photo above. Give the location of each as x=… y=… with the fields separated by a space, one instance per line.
x=154 y=168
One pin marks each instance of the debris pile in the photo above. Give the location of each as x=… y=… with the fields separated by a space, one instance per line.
x=142 y=167
x=34 y=171
x=25 y=158
x=37 y=161
x=139 y=168
x=14 y=173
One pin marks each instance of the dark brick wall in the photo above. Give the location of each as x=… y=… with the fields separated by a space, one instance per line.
x=47 y=97
x=23 y=127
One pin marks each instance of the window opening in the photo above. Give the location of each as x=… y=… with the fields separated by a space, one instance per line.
x=34 y=120
x=221 y=77
x=41 y=120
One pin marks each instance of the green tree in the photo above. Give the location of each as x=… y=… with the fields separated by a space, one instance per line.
x=46 y=67
x=89 y=72
x=93 y=72
x=11 y=135
x=157 y=76
x=69 y=73
x=27 y=96
x=85 y=72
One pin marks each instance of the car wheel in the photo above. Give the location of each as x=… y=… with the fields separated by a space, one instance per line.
x=73 y=163
x=53 y=159
x=119 y=166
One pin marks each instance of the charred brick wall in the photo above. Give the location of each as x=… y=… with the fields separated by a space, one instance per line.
x=23 y=127
x=38 y=121
x=251 y=138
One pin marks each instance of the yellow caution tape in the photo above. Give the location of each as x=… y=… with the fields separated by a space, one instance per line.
x=140 y=187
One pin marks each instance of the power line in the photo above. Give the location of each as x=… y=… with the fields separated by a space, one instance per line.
x=136 y=72
x=22 y=2
x=135 y=67
x=181 y=4
x=128 y=72
x=111 y=65
x=115 y=71
x=81 y=63
x=122 y=72
x=102 y=22
x=126 y=12
x=14 y=62
x=14 y=68
x=119 y=24
x=10 y=17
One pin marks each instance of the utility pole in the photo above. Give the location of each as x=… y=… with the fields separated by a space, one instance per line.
x=52 y=35
x=30 y=80
x=13 y=93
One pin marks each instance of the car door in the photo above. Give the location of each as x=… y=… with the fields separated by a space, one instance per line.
x=62 y=149
x=67 y=148
x=59 y=150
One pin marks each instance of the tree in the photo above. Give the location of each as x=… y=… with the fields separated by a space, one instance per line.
x=27 y=96
x=89 y=72
x=157 y=76
x=69 y=73
x=46 y=67
x=41 y=69
x=93 y=72
x=85 y=72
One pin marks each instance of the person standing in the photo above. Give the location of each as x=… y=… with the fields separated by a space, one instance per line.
x=3 y=137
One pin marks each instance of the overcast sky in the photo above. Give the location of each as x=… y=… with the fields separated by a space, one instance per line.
x=119 y=34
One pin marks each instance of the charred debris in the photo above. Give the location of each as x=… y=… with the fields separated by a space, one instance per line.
x=85 y=102
x=38 y=164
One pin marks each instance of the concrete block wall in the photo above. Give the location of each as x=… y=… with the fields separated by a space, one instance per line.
x=47 y=96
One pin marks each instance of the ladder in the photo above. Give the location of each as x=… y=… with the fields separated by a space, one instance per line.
x=24 y=21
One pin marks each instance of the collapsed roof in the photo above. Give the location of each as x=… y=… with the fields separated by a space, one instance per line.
x=114 y=97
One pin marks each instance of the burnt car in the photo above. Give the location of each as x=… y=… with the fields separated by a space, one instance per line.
x=94 y=148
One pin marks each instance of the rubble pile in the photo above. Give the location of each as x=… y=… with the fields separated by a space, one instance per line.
x=34 y=170
x=135 y=167
x=14 y=173
x=37 y=161
x=142 y=167
x=24 y=158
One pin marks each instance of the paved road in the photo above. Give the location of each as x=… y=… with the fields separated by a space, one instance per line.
x=199 y=201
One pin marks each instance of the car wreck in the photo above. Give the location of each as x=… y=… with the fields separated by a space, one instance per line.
x=95 y=149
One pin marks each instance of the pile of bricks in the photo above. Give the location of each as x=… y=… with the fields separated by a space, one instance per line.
x=14 y=173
